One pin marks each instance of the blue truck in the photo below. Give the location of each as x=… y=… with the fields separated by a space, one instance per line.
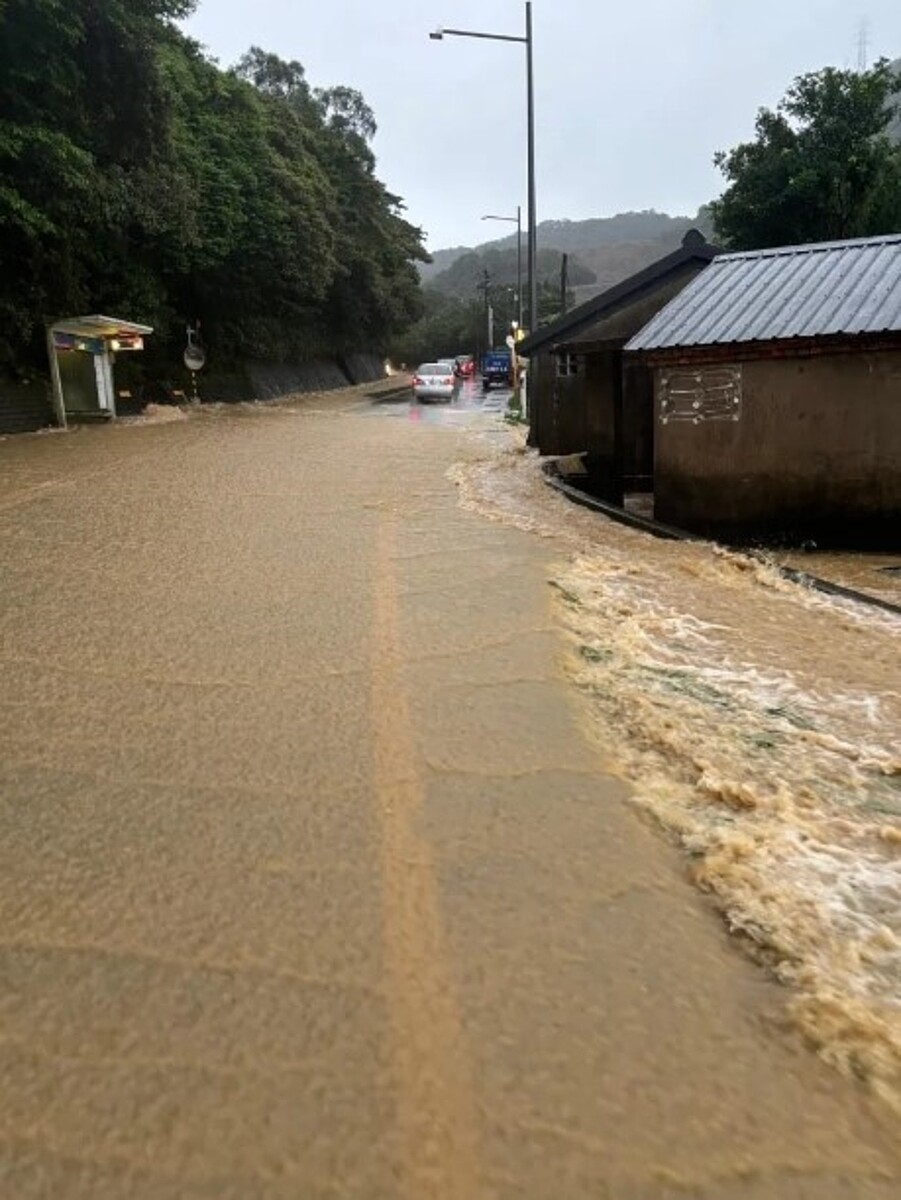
x=497 y=367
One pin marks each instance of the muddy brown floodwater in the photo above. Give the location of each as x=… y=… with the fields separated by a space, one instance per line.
x=761 y=724
x=874 y=574
x=353 y=844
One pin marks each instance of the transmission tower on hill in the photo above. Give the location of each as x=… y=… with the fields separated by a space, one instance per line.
x=863 y=44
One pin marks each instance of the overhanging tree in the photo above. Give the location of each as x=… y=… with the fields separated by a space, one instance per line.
x=137 y=176
x=821 y=166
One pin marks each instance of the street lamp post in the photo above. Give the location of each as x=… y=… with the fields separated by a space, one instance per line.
x=517 y=221
x=526 y=41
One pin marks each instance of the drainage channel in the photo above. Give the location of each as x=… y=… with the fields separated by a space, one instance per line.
x=659 y=529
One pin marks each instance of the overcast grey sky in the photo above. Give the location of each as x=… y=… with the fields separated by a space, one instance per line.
x=633 y=97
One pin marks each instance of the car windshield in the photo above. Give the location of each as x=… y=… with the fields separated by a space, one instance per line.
x=432 y=369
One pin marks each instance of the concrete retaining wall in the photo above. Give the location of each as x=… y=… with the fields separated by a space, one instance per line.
x=364 y=368
x=269 y=381
x=28 y=407
x=25 y=407
x=812 y=448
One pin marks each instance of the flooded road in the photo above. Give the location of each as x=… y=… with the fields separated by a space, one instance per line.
x=761 y=724
x=322 y=866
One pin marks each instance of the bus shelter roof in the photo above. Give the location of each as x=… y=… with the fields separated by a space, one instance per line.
x=98 y=326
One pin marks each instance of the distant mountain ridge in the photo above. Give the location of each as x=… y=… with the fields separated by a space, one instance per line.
x=465 y=274
x=610 y=248
x=442 y=259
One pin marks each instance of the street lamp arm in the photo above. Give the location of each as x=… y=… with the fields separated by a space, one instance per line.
x=471 y=33
x=527 y=41
x=492 y=217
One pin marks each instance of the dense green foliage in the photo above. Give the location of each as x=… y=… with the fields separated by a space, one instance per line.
x=821 y=167
x=452 y=325
x=136 y=176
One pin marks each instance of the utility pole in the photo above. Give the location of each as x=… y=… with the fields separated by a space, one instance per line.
x=519 y=264
x=533 y=218
x=564 y=283
x=484 y=286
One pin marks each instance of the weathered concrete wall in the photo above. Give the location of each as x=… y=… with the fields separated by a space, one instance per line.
x=566 y=409
x=567 y=412
x=542 y=415
x=364 y=368
x=269 y=381
x=605 y=412
x=812 y=449
x=25 y=407
x=637 y=427
x=599 y=411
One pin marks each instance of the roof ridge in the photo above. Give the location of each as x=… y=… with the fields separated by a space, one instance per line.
x=613 y=297
x=881 y=239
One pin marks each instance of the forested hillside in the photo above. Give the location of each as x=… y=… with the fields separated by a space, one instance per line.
x=602 y=250
x=467 y=273
x=138 y=177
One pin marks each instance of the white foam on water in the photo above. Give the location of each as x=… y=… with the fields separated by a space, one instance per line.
x=156 y=414
x=760 y=722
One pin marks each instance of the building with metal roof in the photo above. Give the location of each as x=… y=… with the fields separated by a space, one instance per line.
x=826 y=289
x=777 y=395
x=583 y=399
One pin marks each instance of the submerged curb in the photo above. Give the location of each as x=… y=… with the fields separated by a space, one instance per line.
x=658 y=529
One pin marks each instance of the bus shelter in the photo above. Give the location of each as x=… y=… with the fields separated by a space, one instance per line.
x=82 y=351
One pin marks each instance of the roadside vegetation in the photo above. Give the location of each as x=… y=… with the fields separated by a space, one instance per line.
x=825 y=165
x=139 y=177
x=454 y=324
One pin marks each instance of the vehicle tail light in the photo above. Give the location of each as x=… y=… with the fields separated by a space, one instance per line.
x=416 y=381
x=450 y=380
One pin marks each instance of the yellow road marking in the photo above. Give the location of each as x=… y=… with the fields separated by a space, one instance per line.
x=438 y=1129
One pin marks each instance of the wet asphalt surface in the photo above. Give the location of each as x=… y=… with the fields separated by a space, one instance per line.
x=312 y=883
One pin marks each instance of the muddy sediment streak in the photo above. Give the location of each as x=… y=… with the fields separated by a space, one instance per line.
x=760 y=724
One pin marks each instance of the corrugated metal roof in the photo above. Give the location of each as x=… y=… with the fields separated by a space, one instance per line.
x=817 y=290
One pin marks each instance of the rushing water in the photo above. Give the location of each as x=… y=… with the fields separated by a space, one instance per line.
x=874 y=574
x=760 y=724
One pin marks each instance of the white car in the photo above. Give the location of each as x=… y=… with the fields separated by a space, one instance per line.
x=434 y=381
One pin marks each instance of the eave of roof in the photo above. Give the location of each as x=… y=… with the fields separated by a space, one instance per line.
x=693 y=249
x=98 y=326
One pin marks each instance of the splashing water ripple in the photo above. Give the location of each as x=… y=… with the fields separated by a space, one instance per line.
x=759 y=724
